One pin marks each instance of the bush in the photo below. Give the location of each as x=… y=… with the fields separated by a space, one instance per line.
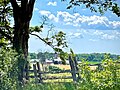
x=8 y=69
x=108 y=78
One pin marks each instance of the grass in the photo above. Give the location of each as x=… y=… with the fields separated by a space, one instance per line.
x=58 y=80
x=92 y=80
x=51 y=86
x=91 y=62
x=63 y=67
x=61 y=75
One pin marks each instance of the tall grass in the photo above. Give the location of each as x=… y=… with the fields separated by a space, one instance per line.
x=105 y=78
x=50 y=86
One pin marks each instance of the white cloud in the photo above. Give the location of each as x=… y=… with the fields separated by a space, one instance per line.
x=52 y=17
x=49 y=15
x=95 y=35
x=75 y=35
x=112 y=35
x=46 y=13
x=52 y=3
x=115 y=24
x=116 y=32
x=97 y=32
x=36 y=9
x=108 y=37
x=93 y=40
x=78 y=20
x=93 y=20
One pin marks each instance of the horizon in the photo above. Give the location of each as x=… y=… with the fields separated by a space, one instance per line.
x=80 y=53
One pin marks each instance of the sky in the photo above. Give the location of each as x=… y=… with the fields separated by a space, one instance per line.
x=86 y=31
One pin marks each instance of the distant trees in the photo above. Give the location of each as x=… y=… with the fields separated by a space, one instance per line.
x=94 y=57
x=33 y=55
x=45 y=55
x=41 y=57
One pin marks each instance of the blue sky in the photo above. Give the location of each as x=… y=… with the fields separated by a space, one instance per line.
x=86 y=31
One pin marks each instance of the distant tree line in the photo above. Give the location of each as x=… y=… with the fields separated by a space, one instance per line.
x=41 y=55
x=94 y=57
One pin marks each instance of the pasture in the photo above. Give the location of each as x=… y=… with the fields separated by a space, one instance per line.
x=93 y=79
x=52 y=72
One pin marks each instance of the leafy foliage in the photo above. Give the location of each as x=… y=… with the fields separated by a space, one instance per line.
x=5 y=29
x=97 y=5
x=8 y=69
x=106 y=79
x=33 y=55
x=41 y=56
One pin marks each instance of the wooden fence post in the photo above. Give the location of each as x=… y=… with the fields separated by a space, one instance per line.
x=73 y=71
x=39 y=72
x=35 y=72
x=77 y=69
x=100 y=67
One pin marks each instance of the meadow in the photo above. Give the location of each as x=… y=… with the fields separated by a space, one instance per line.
x=108 y=78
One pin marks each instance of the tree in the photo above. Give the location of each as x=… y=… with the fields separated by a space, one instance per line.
x=21 y=29
x=96 y=5
x=33 y=55
x=19 y=35
x=41 y=56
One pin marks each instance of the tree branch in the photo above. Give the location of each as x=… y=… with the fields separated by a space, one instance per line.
x=42 y=40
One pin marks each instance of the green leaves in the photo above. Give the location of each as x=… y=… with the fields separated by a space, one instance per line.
x=8 y=69
x=61 y=40
x=116 y=9
x=36 y=29
x=108 y=78
x=97 y=5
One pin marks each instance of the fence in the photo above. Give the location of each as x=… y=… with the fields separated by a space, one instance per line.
x=39 y=77
x=39 y=74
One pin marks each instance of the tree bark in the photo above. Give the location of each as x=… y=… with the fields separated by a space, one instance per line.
x=22 y=15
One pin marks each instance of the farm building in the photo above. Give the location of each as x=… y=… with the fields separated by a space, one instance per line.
x=57 y=60
x=47 y=61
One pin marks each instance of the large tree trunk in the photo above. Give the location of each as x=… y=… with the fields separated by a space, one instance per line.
x=22 y=15
x=20 y=43
x=21 y=36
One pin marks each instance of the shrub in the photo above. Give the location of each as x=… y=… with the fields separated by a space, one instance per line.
x=108 y=78
x=8 y=69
